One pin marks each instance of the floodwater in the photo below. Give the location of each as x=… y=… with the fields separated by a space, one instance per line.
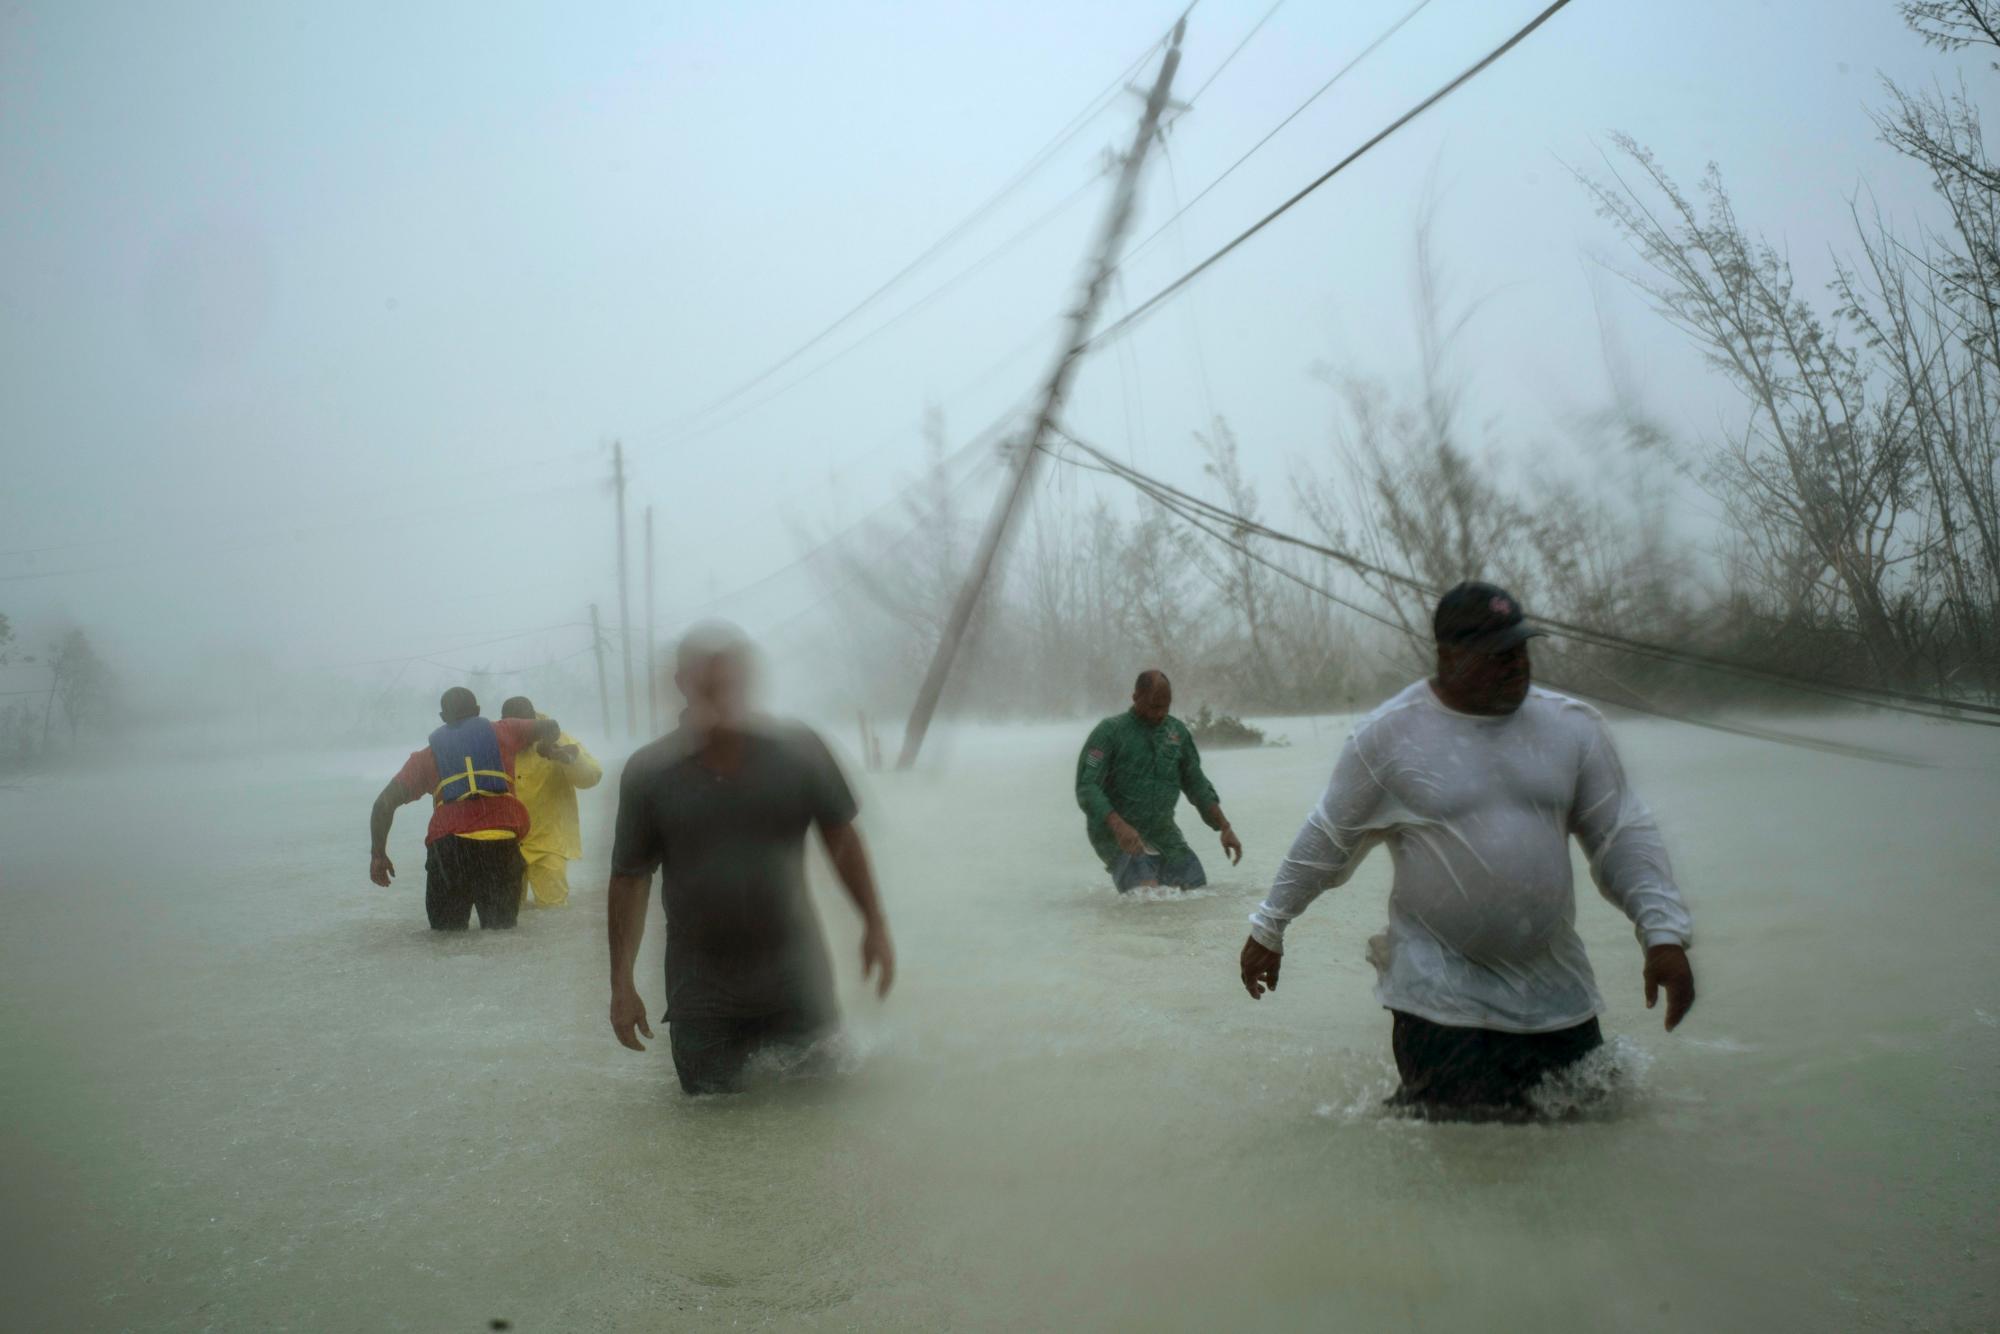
x=247 y=1090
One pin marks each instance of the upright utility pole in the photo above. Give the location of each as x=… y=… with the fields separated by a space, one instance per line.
x=624 y=588
x=650 y=662
x=1081 y=320
x=603 y=695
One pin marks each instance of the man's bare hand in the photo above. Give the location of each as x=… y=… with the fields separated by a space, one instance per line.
x=1232 y=845
x=1667 y=969
x=878 y=958
x=628 y=1013
x=1128 y=837
x=1260 y=968
x=380 y=869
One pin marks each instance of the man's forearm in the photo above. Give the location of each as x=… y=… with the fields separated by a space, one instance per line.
x=1314 y=864
x=625 y=923
x=380 y=817
x=1214 y=818
x=857 y=877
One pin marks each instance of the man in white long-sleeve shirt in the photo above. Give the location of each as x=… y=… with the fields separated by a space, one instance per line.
x=1476 y=780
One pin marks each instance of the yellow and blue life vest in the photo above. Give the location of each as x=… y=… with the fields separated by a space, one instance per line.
x=468 y=761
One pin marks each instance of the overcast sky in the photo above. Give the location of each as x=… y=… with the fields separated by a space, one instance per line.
x=316 y=321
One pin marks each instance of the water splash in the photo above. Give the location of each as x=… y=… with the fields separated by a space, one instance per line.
x=1606 y=1084
x=841 y=1052
x=1163 y=894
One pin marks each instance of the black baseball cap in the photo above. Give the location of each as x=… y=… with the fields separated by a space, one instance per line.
x=1484 y=618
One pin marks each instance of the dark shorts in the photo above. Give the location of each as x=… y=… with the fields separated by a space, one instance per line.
x=710 y=1053
x=1181 y=871
x=463 y=874
x=1480 y=1074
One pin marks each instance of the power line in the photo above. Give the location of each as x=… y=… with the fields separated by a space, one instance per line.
x=897 y=319
x=967 y=450
x=1113 y=330
x=1903 y=701
x=1020 y=350
x=772 y=632
x=1630 y=698
x=1882 y=697
x=1255 y=28
x=1272 y=133
x=1069 y=132
x=1189 y=310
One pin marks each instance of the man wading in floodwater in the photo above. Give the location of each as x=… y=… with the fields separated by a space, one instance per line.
x=547 y=779
x=1134 y=767
x=1476 y=780
x=472 y=853
x=721 y=806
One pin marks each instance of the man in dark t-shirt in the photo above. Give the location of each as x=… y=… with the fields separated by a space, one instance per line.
x=721 y=807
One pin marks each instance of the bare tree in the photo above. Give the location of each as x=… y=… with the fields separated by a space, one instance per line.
x=1819 y=478
x=1952 y=25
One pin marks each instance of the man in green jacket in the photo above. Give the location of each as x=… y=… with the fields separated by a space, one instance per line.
x=1131 y=774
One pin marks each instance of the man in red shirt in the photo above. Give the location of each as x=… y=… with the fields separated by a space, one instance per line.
x=473 y=848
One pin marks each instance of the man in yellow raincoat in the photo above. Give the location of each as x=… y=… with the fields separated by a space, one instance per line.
x=546 y=779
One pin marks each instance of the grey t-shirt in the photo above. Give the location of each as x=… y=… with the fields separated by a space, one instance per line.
x=742 y=938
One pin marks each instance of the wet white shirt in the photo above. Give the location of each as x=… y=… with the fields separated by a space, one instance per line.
x=1477 y=812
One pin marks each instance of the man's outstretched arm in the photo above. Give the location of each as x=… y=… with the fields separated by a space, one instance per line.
x=1337 y=834
x=625 y=924
x=857 y=877
x=383 y=814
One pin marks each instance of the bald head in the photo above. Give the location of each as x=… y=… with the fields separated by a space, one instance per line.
x=1152 y=696
x=712 y=669
x=711 y=639
x=457 y=704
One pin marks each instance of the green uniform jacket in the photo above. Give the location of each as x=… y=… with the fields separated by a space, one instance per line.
x=1139 y=772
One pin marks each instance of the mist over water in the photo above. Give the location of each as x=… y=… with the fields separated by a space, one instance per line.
x=260 y=1094
x=347 y=357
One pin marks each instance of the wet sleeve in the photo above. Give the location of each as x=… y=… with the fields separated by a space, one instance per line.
x=833 y=802
x=584 y=771
x=1628 y=858
x=1339 y=831
x=637 y=846
x=516 y=734
x=1194 y=783
x=418 y=776
x=1093 y=767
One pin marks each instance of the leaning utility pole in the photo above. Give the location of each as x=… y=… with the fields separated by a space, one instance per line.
x=1076 y=334
x=650 y=662
x=624 y=588
x=603 y=695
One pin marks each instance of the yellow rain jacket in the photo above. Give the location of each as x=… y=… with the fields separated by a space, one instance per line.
x=548 y=789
